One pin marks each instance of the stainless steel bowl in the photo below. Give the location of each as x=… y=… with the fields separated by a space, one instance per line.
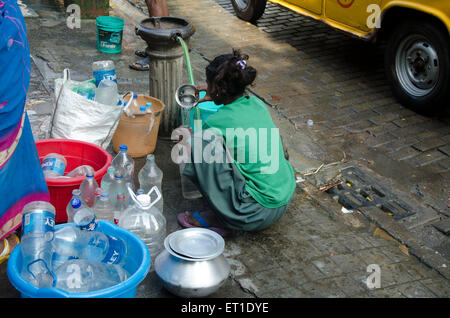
x=187 y=96
x=188 y=277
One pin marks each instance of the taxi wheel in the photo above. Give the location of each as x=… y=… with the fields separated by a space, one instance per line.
x=249 y=10
x=417 y=64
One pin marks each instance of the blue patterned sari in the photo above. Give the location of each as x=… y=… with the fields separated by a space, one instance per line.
x=21 y=177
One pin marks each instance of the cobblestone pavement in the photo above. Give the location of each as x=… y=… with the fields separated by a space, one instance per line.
x=312 y=251
x=307 y=70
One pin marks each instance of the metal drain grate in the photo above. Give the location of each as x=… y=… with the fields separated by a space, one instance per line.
x=361 y=190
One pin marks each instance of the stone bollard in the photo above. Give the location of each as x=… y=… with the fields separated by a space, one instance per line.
x=166 y=62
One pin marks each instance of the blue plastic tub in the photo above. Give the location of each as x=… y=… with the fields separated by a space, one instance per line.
x=137 y=265
x=206 y=110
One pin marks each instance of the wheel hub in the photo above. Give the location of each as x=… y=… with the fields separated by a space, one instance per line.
x=417 y=65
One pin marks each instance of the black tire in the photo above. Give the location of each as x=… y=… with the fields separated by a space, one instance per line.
x=431 y=65
x=249 y=10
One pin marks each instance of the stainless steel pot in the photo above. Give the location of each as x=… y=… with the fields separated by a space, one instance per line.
x=188 y=277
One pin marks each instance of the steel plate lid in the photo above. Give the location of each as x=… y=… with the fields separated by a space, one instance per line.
x=197 y=243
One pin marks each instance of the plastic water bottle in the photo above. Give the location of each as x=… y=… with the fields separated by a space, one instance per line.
x=118 y=186
x=103 y=208
x=146 y=221
x=87 y=188
x=86 y=89
x=188 y=188
x=72 y=242
x=98 y=193
x=74 y=205
x=108 y=179
x=123 y=163
x=85 y=219
x=149 y=107
x=80 y=171
x=38 y=223
x=149 y=176
x=142 y=111
x=104 y=70
x=120 y=207
x=54 y=165
x=134 y=105
x=81 y=276
x=107 y=93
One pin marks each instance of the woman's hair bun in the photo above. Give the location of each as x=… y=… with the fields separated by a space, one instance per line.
x=230 y=74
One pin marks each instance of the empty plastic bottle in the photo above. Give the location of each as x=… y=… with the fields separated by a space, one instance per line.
x=103 y=208
x=124 y=164
x=81 y=276
x=80 y=171
x=108 y=179
x=38 y=223
x=188 y=188
x=104 y=70
x=54 y=165
x=148 y=106
x=97 y=193
x=120 y=207
x=118 y=186
x=74 y=205
x=149 y=176
x=72 y=242
x=133 y=108
x=86 y=89
x=87 y=188
x=146 y=221
x=85 y=219
x=106 y=93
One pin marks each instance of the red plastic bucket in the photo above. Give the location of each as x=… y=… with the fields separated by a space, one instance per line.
x=77 y=153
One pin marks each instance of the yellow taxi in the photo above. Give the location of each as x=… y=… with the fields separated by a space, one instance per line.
x=417 y=57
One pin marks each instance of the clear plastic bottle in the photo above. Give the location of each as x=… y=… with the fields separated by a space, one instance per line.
x=108 y=179
x=142 y=111
x=54 y=165
x=148 y=106
x=103 y=208
x=123 y=163
x=87 y=188
x=72 y=242
x=85 y=219
x=149 y=176
x=118 y=186
x=38 y=223
x=104 y=70
x=188 y=188
x=86 y=89
x=80 y=171
x=82 y=276
x=146 y=221
x=120 y=207
x=74 y=205
x=133 y=109
x=98 y=193
x=107 y=93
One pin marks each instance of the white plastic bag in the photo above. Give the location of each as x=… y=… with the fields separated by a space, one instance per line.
x=76 y=117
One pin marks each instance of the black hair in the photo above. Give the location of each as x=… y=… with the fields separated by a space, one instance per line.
x=228 y=75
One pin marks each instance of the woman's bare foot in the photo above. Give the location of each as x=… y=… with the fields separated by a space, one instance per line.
x=209 y=217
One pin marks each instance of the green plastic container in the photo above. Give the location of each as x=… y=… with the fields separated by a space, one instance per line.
x=109 y=34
